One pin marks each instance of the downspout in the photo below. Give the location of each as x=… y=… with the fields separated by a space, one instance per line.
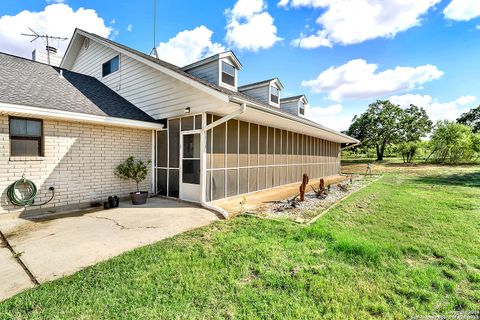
x=203 y=141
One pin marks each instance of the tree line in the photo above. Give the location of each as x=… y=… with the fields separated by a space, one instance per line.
x=386 y=128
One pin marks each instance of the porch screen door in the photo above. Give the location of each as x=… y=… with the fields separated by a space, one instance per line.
x=190 y=167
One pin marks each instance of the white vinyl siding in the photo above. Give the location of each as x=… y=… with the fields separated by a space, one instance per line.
x=156 y=93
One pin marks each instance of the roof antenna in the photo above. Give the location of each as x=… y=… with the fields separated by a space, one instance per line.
x=154 y=50
x=46 y=37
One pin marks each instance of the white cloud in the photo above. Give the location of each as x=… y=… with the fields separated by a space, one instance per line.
x=130 y=27
x=436 y=110
x=114 y=34
x=313 y=41
x=250 y=26
x=331 y=116
x=56 y=20
x=462 y=10
x=189 y=46
x=359 y=79
x=355 y=21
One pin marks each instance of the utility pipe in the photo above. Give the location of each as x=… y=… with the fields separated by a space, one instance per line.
x=203 y=142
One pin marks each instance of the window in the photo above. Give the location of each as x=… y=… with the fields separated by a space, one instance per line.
x=110 y=66
x=26 y=137
x=301 y=108
x=228 y=74
x=274 y=94
x=191 y=159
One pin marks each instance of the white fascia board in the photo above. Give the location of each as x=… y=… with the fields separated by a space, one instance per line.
x=161 y=68
x=67 y=56
x=343 y=138
x=278 y=83
x=231 y=56
x=15 y=109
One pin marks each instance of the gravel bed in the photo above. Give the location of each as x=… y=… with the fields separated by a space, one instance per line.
x=312 y=206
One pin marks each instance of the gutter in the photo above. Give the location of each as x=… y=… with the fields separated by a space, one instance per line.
x=203 y=139
x=291 y=117
x=16 y=109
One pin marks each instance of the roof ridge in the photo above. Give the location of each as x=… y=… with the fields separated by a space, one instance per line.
x=26 y=59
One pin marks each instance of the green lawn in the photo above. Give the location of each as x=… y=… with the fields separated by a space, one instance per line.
x=408 y=244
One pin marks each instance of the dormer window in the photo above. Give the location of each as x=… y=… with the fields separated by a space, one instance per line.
x=110 y=66
x=301 y=108
x=228 y=74
x=274 y=94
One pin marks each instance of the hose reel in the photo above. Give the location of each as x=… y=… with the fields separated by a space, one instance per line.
x=23 y=192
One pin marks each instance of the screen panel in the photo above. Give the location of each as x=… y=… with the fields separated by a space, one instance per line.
x=243 y=144
x=253 y=145
x=232 y=143
x=174 y=142
x=219 y=146
x=218 y=184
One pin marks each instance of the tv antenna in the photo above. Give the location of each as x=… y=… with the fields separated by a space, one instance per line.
x=154 y=50
x=35 y=35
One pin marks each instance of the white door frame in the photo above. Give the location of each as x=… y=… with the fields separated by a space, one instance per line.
x=180 y=176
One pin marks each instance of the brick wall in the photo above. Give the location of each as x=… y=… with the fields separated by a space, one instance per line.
x=79 y=162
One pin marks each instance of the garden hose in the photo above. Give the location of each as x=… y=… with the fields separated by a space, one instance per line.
x=27 y=199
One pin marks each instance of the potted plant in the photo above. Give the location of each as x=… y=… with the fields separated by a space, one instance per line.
x=137 y=171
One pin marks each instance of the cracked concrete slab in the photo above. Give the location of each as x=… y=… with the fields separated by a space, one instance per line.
x=52 y=248
x=13 y=278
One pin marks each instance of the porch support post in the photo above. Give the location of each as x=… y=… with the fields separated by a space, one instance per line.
x=203 y=157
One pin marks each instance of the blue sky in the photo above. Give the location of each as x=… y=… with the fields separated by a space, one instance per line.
x=341 y=55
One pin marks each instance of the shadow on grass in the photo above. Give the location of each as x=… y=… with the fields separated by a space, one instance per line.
x=470 y=179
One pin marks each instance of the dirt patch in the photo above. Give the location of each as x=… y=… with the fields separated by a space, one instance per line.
x=312 y=206
x=23 y=229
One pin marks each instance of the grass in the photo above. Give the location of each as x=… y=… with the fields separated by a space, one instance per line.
x=406 y=245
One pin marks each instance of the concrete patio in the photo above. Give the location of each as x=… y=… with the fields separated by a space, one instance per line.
x=60 y=245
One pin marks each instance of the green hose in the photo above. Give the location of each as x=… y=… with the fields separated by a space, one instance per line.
x=24 y=200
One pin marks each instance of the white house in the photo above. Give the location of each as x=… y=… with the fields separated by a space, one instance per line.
x=208 y=138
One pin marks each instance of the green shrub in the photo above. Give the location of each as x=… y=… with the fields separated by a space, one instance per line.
x=452 y=143
x=132 y=169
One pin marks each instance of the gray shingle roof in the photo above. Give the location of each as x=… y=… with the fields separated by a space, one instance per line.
x=256 y=83
x=292 y=98
x=25 y=82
